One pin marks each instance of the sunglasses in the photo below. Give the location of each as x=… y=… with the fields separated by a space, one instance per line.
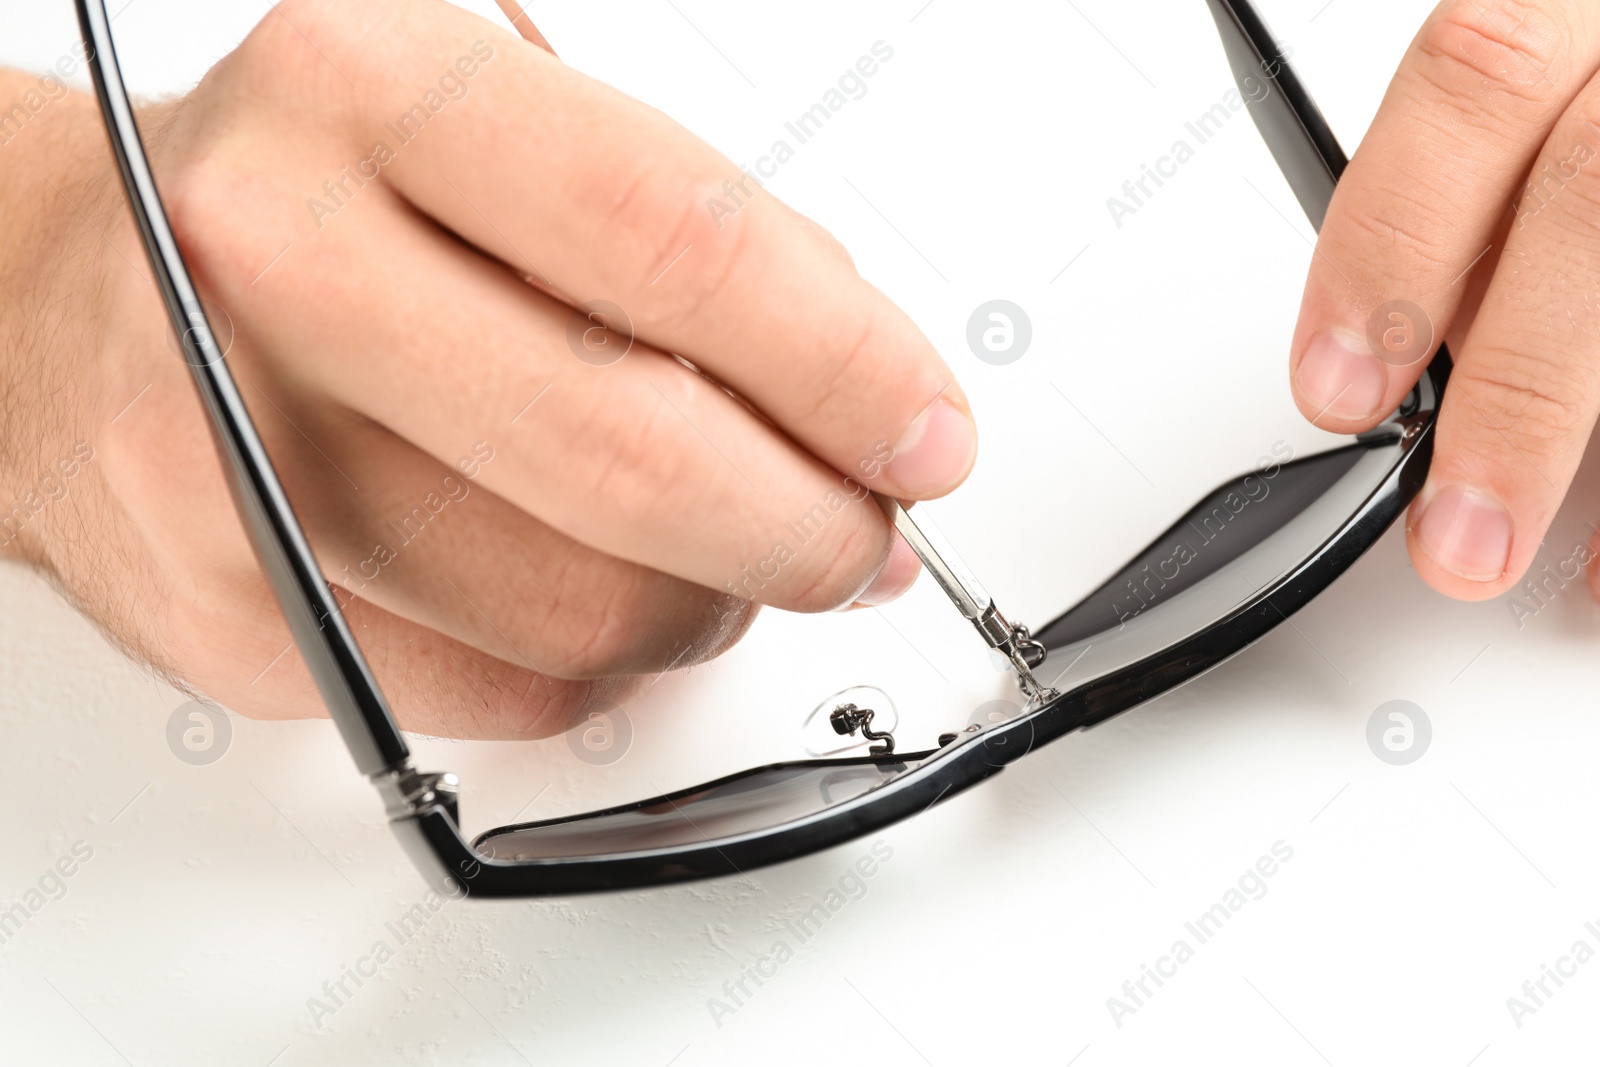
x=1148 y=629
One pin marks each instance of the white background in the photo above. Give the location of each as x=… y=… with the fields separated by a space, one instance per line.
x=220 y=898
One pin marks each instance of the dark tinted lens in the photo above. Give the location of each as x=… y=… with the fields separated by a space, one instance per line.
x=752 y=802
x=1236 y=518
x=1196 y=574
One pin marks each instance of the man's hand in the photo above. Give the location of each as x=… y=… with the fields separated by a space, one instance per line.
x=461 y=286
x=1475 y=199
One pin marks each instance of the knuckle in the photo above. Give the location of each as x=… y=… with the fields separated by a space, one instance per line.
x=471 y=694
x=840 y=573
x=1565 y=168
x=295 y=44
x=1401 y=223
x=202 y=198
x=650 y=623
x=683 y=255
x=226 y=247
x=844 y=368
x=643 y=468
x=1509 y=46
x=594 y=628
x=511 y=704
x=1538 y=404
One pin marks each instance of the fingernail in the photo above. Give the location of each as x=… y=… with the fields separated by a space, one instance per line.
x=1466 y=532
x=934 y=453
x=899 y=574
x=1339 y=376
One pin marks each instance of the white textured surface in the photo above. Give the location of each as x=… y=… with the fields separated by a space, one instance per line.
x=219 y=899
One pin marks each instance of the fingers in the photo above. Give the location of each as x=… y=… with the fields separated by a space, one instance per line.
x=701 y=262
x=1525 y=389
x=187 y=594
x=184 y=592
x=427 y=542
x=642 y=459
x=434 y=684
x=1475 y=98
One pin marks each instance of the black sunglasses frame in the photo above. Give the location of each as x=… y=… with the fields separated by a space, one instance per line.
x=422 y=807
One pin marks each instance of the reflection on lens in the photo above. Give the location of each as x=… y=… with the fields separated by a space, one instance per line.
x=757 y=800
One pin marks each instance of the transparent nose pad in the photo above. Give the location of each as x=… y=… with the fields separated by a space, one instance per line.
x=825 y=733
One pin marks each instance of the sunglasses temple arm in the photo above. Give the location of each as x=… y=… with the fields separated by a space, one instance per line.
x=308 y=604
x=1298 y=136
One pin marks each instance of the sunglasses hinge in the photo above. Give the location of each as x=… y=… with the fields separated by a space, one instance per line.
x=408 y=792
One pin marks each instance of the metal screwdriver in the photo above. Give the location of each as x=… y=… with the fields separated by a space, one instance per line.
x=972 y=600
